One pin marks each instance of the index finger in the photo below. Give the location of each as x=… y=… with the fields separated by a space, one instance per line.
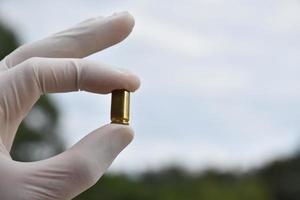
x=80 y=41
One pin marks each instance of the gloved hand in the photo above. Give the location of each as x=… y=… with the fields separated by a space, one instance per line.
x=50 y=65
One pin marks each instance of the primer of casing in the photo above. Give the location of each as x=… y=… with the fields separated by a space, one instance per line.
x=119 y=113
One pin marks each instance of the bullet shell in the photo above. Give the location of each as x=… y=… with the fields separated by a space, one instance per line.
x=119 y=113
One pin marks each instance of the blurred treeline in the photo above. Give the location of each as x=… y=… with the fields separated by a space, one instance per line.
x=37 y=139
x=277 y=181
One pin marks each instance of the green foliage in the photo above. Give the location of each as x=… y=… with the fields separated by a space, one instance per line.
x=277 y=181
x=8 y=41
x=176 y=184
x=283 y=177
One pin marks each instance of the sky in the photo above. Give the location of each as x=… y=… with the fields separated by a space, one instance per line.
x=220 y=79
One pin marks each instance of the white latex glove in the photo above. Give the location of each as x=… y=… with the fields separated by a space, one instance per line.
x=54 y=65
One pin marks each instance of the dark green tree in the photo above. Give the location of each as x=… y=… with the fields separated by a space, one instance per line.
x=283 y=177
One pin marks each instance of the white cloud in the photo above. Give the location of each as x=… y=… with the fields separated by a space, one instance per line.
x=176 y=39
x=285 y=17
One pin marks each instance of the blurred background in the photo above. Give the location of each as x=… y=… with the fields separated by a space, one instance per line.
x=217 y=116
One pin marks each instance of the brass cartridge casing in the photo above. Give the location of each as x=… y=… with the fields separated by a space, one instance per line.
x=119 y=113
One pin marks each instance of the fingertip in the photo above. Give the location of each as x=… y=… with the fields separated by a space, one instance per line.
x=136 y=84
x=122 y=133
x=123 y=24
x=130 y=21
x=133 y=82
x=125 y=18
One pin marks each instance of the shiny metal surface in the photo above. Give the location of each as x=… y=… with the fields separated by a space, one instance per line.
x=120 y=105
